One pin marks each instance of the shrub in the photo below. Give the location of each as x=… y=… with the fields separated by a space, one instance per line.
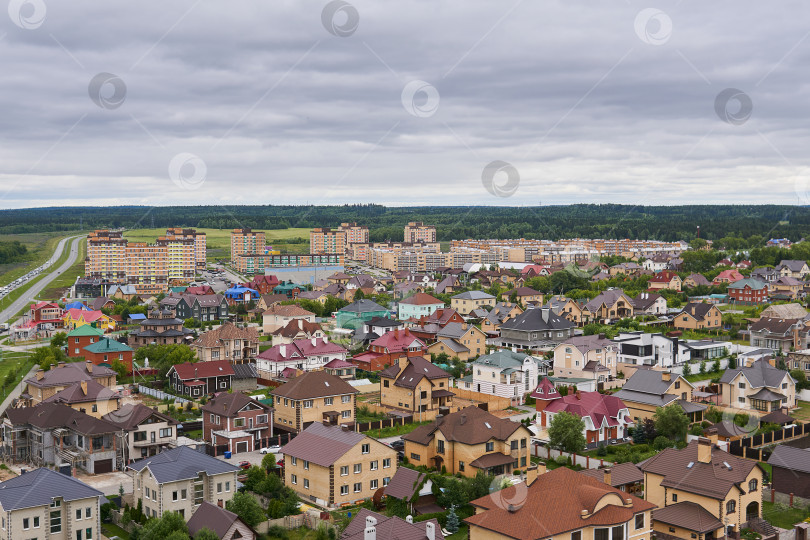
x=277 y=531
x=661 y=442
x=601 y=451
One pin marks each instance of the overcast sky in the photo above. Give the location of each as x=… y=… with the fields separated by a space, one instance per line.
x=402 y=103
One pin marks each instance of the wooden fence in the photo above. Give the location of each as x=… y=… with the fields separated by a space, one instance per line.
x=494 y=403
x=754 y=447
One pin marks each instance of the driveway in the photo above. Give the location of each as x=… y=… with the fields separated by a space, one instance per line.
x=107 y=483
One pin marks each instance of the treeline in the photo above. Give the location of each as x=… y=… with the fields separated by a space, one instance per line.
x=11 y=252
x=735 y=226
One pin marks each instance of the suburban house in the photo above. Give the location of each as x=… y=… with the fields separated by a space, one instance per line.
x=561 y=505
x=626 y=268
x=469 y=441
x=656 y=263
x=666 y=279
x=504 y=373
x=223 y=523
x=535 y=328
x=207 y=307
x=587 y=357
x=418 y=305
x=201 y=378
x=461 y=335
x=451 y=348
x=748 y=292
x=790 y=470
x=387 y=349
x=313 y=396
x=161 y=328
x=45 y=384
x=296 y=330
x=376 y=327
x=522 y=295
x=332 y=465
x=767 y=274
x=369 y=525
x=727 y=277
x=341 y=368
x=74 y=318
x=794 y=269
x=648 y=389
x=647 y=303
x=227 y=342
x=799 y=360
x=236 y=421
x=46 y=315
x=53 y=433
x=786 y=287
x=761 y=387
x=146 y=431
x=278 y=316
x=88 y=397
x=356 y=314
x=180 y=480
x=303 y=354
x=606 y=417
x=698 y=316
x=51 y=504
x=695 y=280
x=778 y=334
x=503 y=311
x=624 y=476
x=467 y=302
x=701 y=490
x=607 y=306
x=415 y=384
x=81 y=337
x=638 y=348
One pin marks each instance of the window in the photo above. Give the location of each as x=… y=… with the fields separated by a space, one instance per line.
x=294 y=460
x=514 y=445
x=94 y=408
x=752 y=485
x=219 y=487
x=742 y=385
x=36 y=522
x=56 y=520
x=174 y=495
x=523 y=461
x=440 y=446
x=306 y=483
x=307 y=403
x=386 y=464
x=293 y=479
x=79 y=514
x=674 y=497
x=344 y=470
x=639 y=521
x=366 y=448
x=601 y=534
x=523 y=443
x=346 y=399
x=183 y=494
x=345 y=414
x=385 y=383
x=677 y=384
x=227 y=487
x=460 y=465
x=576 y=535
x=386 y=481
x=79 y=534
x=618 y=533
x=741 y=399
x=26 y=524
x=344 y=490
x=239 y=422
x=358 y=487
x=358 y=468
x=306 y=465
x=166 y=432
x=415 y=456
x=88 y=533
x=490 y=446
x=731 y=507
x=328 y=401
x=373 y=484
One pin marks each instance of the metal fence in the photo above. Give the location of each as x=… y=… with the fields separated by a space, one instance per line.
x=160 y=395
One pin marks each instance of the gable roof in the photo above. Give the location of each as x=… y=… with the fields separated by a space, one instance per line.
x=421 y=299
x=288 y=310
x=785 y=311
x=397 y=340
x=323 y=445
x=229 y=405
x=190 y=371
x=390 y=528
x=312 y=384
x=470 y=425
x=417 y=369
x=404 y=484
x=603 y=410
x=791 y=264
x=227 y=331
x=67 y=374
x=537 y=319
x=76 y=394
x=760 y=374
x=54 y=415
x=788 y=457
x=645 y=300
x=698 y=310
x=181 y=463
x=38 y=487
x=130 y=416
x=648 y=386
x=473 y=295
x=503 y=359
x=699 y=279
x=212 y=517
x=608 y=298
x=621 y=474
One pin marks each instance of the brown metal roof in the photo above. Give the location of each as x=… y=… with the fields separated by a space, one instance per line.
x=688 y=515
x=491 y=460
x=470 y=425
x=621 y=474
x=314 y=384
x=229 y=405
x=404 y=483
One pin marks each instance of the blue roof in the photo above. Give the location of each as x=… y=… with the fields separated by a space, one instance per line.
x=137 y=317
x=38 y=487
x=76 y=305
x=238 y=292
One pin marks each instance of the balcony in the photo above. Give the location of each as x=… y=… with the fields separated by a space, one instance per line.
x=157 y=442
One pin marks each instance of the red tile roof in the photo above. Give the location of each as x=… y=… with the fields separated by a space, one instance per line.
x=216 y=368
x=600 y=408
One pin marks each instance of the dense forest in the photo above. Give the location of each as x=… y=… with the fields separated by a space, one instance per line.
x=668 y=223
x=11 y=252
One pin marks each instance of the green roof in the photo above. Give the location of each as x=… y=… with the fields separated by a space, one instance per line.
x=107 y=345
x=178 y=289
x=85 y=330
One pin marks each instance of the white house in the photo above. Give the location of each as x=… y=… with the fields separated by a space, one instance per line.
x=304 y=354
x=504 y=373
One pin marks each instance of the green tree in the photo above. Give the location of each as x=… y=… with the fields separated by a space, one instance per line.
x=168 y=526
x=671 y=422
x=702 y=367
x=687 y=370
x=246 y=507
x=120 y=368
x=452 y=520
x=59 y=339
x=269 y=462
x=566 y=432
x=206 y=534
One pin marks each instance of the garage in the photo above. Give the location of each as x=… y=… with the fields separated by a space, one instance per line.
x=241 y=447
x=103 y=466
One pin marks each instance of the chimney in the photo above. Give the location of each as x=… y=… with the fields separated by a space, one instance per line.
x=607 y=476
x=314 y=341
x=430 y=530
x=40 y=374
x=89 y=366
x=219 y=503
x=344 y=427
x=704 y=450
x=84 y=387
x=531 y=475
x=370 y=532
x=541 y=469
x=579 y=394
x=300 y=324
x=409 y=519
x=666 y=376
x=402 y=362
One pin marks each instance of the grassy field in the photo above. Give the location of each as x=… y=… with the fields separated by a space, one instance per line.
x=111 y=530
x=12 y=363
x=785 y=519
x=40 y=248
x=59 y=286
x=803 y=413
x=219 y=240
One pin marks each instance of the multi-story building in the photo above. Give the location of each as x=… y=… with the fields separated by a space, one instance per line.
x=333 y=466
x=355 y=234
x=106 y=255
x=589 y=357
x=146 y=267
x=504 y=373
x=236 y=421
x=45 y=384
x=247 y=242
x=146 y=431
x=48 y=504
x=252 y=264
x=414 y=384
x=227 y=342
x=416 y=231
x=180 y=480
x=181 y=256
x=761 y=387
x=313 y=396
x=200 y=243
x=325 y=240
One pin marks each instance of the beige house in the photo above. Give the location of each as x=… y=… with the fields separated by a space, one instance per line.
x=227 y=342
x=414 y=384
x=698 y=316
x=88 y=397
x=468 y=335
x=295 y=330
x=332 y=465
x=277 y=316
x=469 y=301
x=45 y=384
x=469 y=441
x=701 y=491
x=648 y=389
x=311 y=397
x=761 y=387
x=179 y=480
x=524 y=295
x=146 y=431
x=588 y=357
x=46 y=504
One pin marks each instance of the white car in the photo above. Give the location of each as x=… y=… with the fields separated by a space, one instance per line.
x=275 y=449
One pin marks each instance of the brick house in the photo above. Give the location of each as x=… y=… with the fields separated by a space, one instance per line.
x=312 y=397
x=107 y=350
x=302 y=354
x=201 y=378
x=46 y=315
x=227 y=342
x=748 y=292
x=80 y=338
x=386 y=349
x=414 y=384
x=698 y=316
x=236 y=421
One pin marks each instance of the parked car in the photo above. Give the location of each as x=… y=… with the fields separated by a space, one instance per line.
x=244 y=465
x=275 y=449
x=398 y=445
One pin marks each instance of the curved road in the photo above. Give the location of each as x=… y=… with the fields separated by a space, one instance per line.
x=13 y=308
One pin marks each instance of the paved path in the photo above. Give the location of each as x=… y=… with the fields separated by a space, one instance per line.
x=13 y=308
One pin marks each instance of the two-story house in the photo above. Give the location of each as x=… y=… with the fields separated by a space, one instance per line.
x=312 y=397
x=778 y=334
x=761 y=387
x=278 y=316
x=503 y=373
x=793 y=268
x=200 y=378
x=647 y=303
x=46 y=315
x=81 y=337
x=296 y=330
x=333 y=466
x=503 y=311
x=88 y=397
x=47 y=504
x=698 y=316
x=587 y=357
x=536 y=329
x=647 y=389
x=748 y=292
x=227 y=342
x=469 y=441
x=46 y=383
x=418 y=305
x=701 y=491
x=415 y=384
x=387 y=349
x=467 y=302
x=523 y=295
x=786 y=287
x=201 y=307
x=146 y=431
x=180 y=480
x=303 y=354
x=236 y=421
x=160 y=328
x=666 y=279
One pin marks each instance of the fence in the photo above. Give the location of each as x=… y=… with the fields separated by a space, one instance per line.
x=803 y=395
x=160 y=394
x=587 y=462
x=277 y=440
x=752 y=447
x=385 y=423
x=310 y=519
x=494 y=403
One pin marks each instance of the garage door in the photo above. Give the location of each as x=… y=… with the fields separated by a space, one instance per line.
x=103 y=466
x=241 y=447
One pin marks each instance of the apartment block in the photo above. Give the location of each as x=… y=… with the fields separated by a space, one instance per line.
x=256 y=264
x=325 y=240
x=247 y=241
x=355 y=234
x=200 y=243
x=106 y=255
x=416 y=231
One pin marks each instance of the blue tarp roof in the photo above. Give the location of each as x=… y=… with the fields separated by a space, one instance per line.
x=76 y=305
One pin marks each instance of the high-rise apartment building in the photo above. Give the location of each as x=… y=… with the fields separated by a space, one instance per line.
x=181 y=258
x=355 y=234
x=106 y=255
x=200 y=243
x=146 y=267
x=323 y=241
x=247 y=241
x=416 y=231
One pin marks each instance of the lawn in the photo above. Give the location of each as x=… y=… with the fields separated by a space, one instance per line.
x=111 y=530
x=40 y=248
x=18 y=363
x=395 y=430
x=803 y=412
x=784 y=518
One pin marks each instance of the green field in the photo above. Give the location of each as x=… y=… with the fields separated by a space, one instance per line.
x=219 y=240
x=16 y=364
x=66 y=279
x=40 y=248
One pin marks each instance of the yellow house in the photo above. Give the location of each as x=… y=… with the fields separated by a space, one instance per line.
x=88 y=397
x=414 y=384
x=466 y=334
x=560 y=505
x=312 y=397
x=503 y=311
x=701 y=491
x=75 y=318
x=469 y=301
x=698 y=316
x=524 y=295
x=649 y=389
x=469 y=441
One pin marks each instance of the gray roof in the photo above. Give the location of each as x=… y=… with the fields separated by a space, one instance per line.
x=796 y=459
x=537 y=319
x=648 y=381
x=323 y=445
x=473 y=295
x=182 y=463
x=503 y=359
x=608 y=298
x=244 y=371
x=38 y=487
x=760 y=374
x=453 y=345
x=649 y=399
x=389 y=528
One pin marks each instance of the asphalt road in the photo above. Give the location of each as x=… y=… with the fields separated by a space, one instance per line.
x=13 y=308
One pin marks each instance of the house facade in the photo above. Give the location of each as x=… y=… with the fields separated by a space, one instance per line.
x=416 y=385
x=227 y=342
x=467 y=302
x=418 y=305
x=698 y=316
x=147 y=431
x=505 y=374
x=588 y=357
x=760 y=387
x=536 y=329
x=201 y=378
x=236 y=421
x=303 y=354
x=312 y=397
x=748 y=292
